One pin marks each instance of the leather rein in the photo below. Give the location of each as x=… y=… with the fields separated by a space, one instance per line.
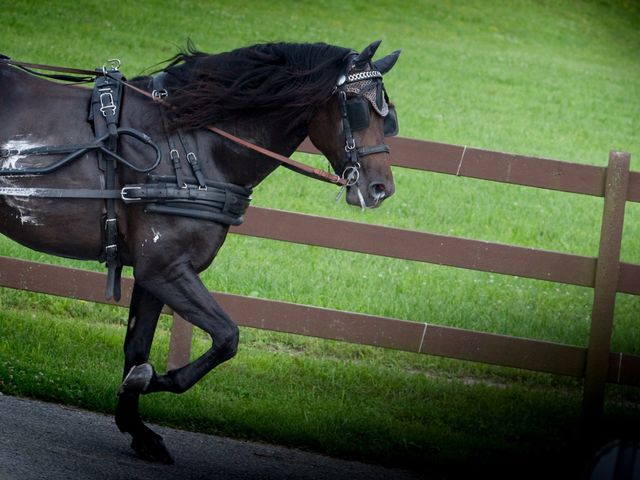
x=90 y=75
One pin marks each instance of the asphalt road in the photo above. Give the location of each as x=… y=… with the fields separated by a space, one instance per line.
x=41 y=440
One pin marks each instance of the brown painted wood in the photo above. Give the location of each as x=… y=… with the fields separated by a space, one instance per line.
x=504 y=350
x=606 y=284
x=419 y=246
x=179 y=343
x=338 y=325
x=496 y=166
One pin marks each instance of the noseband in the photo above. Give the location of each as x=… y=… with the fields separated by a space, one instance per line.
x=355 y=113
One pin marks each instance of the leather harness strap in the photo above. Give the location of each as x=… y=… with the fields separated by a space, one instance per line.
x=287 y=162
x=104 y=113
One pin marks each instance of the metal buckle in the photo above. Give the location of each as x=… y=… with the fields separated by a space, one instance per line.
x=158 y=95
x=106 y=103
x=125 y=191
x=350 y=145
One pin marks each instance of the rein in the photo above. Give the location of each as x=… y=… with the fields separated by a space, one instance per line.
x=289 y=163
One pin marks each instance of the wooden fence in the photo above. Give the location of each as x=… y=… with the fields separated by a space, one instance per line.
x=605 y=274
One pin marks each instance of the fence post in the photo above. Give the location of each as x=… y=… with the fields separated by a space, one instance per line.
x=606 y=283
x=179 y=343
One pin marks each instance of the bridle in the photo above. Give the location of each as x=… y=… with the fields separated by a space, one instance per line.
x=355 y=114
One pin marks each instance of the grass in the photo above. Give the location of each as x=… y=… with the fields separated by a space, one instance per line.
x=553 y=79
x=355 y=401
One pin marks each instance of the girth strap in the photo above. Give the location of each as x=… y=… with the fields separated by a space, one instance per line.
x=220 y=202
x=88 y=193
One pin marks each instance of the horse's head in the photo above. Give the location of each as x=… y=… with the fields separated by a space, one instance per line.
x=350 y=128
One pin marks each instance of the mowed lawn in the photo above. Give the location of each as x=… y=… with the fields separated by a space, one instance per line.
x=553 y=79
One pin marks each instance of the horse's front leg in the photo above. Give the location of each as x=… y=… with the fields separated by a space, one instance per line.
x=143 y=318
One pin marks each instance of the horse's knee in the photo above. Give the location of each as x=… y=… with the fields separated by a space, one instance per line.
x=226 y=342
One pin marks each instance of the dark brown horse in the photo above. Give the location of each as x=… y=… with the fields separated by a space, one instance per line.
x=173 y=217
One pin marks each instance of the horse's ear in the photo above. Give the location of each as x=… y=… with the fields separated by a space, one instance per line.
x=385 y=64
x=367 y=54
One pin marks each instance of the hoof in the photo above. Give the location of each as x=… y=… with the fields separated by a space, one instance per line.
x=152 y=449
x=137 y=380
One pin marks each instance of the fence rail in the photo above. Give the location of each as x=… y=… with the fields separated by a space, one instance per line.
x=605 y=274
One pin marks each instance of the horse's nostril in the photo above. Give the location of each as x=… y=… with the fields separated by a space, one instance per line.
x=377 y=189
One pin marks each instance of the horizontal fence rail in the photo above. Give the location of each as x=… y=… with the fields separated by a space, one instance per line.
x=417 y=337
x=500 y=167
x=605 y=274
x=430 y=248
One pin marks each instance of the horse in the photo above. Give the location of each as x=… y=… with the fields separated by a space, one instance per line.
x=158 y=190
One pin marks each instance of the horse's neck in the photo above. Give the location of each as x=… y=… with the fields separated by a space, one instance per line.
x=245 y=167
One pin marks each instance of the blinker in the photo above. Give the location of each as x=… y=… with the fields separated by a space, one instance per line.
x=359 y=114
x=391 y=127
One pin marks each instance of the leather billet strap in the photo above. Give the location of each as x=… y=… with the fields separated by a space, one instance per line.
x=159 y=92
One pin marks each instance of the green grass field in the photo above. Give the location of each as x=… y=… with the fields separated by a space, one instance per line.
x=554 y=79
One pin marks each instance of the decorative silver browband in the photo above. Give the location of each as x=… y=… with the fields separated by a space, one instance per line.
x=359 y=76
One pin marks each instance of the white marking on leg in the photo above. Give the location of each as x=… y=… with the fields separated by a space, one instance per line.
x=156 y=235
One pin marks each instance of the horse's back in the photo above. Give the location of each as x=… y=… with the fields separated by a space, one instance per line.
x=31 y=105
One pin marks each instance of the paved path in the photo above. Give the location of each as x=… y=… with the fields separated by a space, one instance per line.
x=47 y=441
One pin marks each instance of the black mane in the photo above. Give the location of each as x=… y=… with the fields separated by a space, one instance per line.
x=288 y=80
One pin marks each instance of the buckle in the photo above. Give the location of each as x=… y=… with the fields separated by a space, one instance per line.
x=158 y=95
x=107 y=103
x=125 y=192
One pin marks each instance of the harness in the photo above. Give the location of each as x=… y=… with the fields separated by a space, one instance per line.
x=181 y=194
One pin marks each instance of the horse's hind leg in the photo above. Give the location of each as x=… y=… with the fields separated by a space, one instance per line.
x=143 y=318
x=180 y=287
